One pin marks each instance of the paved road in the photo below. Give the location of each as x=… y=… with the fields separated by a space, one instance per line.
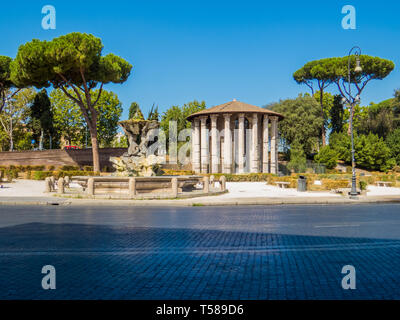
x=276 y=252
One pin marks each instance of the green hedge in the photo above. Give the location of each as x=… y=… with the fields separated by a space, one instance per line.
x=69 y=168
x=20 y=168
x=23 y=168
x=59 y=174
x=42 y=175
x=8 y=174
x=251 y=177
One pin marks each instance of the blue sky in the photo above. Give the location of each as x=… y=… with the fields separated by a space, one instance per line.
x=215 y=50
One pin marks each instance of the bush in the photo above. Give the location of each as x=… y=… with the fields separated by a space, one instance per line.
x=26 y=168
x=393 y=142
x=250 y=177
x=9 y=174
x=363 y=185
x=69 y=168
x=40 y=175
x=329 y=184
x=372 y=153
x=37 y=168
x=298 y=161
x=63 y=174
x=170 y=172
x=327 y=156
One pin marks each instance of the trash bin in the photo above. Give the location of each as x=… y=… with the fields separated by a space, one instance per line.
x=302 y=184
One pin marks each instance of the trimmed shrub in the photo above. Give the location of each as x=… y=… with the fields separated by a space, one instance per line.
x=171 y=172
x=250 y=177
x=69 y=168
x=363 y=185
x=298 y=161
x=40 y=175
x=9 y=174
x=63 y=174
x=38 y=168
x=327 y=156
x=329 y=184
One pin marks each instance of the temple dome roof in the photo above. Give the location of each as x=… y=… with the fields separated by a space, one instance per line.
x=235 y=106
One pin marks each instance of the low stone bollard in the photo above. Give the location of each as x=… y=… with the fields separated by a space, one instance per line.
x=132 y=187
x=47 y=184
x=67 y=181
x=174 y=186
x=222 y=182
x=53 y=183
x=206 y=185
x=60 y=186
x=212 y=181
x=90 y=187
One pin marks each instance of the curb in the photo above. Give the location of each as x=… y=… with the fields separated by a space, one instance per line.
x=199 y=203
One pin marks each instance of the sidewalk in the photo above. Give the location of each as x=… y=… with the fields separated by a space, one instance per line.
x=29 y=192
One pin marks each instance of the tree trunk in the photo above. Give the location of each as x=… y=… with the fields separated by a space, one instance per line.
x=41 y=139
x=11 y=142
x=90 y=114
x=323 y=136
x=11 y=133
x=95 y=149
x=323 y=133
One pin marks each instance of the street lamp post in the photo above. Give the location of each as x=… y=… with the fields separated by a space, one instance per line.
x=353 y=101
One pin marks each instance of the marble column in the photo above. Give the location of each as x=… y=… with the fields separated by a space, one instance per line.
x=241 y=143
x=214 y=144
x=265 y=152
x=274 y=149
x=254 y=145
x=204 y=144
x=192 y=144
x=227 y=144
x=196 y=146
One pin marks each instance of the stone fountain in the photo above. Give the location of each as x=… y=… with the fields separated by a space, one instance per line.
x=136 y=162
x=138 y=174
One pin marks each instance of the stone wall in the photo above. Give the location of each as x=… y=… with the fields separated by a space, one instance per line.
x=57 y=158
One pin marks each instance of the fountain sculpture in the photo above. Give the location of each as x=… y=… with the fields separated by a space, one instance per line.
x=136 y=162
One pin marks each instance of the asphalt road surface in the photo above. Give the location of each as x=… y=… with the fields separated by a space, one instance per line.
x=274 y=252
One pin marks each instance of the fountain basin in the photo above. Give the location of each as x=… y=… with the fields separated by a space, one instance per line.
x=157 y=184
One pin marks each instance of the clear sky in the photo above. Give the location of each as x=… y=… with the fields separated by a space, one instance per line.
x=215 y=50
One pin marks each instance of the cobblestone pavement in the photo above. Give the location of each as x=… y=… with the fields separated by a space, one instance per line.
x=276 y=252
